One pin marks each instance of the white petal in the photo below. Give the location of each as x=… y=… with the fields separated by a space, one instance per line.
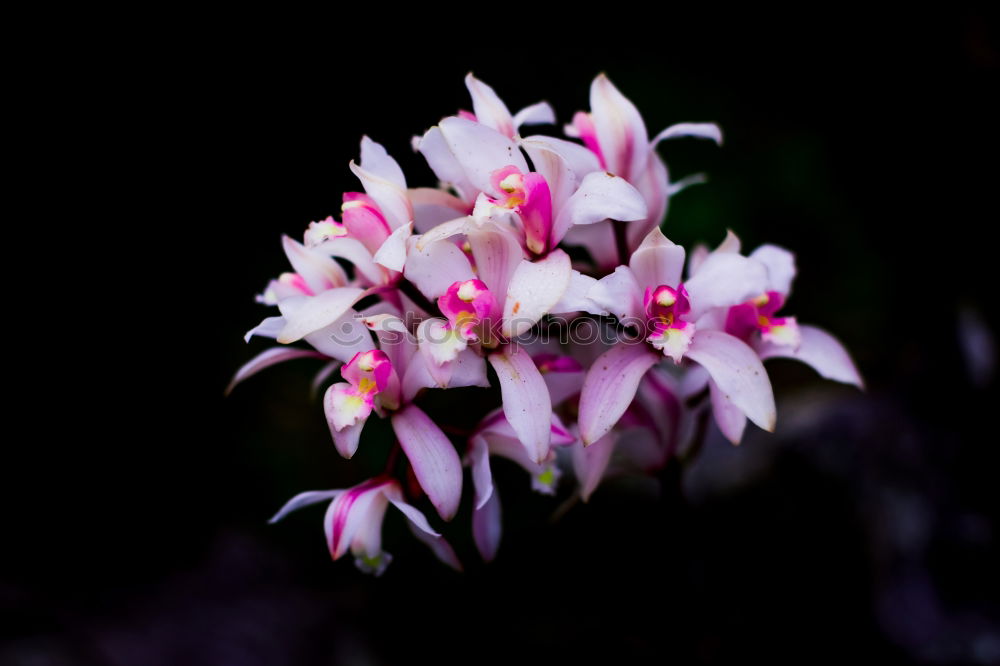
x=480 y=150
x=305 y=316
x=780 y=265
x=526 y=402
x=392 y=253
x=534 y=289
x=601 y=196
x=738 y=374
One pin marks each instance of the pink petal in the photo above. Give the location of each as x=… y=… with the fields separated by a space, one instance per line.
x=654 y=184
x=318 y=270
x=575 y=298
x=488 y=107
x=268 y=358
x=601 y=196
x=443 y=163
x=780 y=265
x=657 y=261
x=432 y=206
x=390 y=197
x=359 y=509
x=392 y=253
x=480 y=150
x=309 y=314
x=730 y=418
x=620 y=131
x=820 y=350
x=724 y=280
x=433 y=458
x=438 y=545
x=590 y=462
x=738 y=374
x=599 y=241
x=619 y=294
x=526 y=401
x=270 y=327
x=534 y=289
x=539 y=113
x=482 y=477
x=436 y=266
x=497 y=254
x=709 y=131
x=487 y=528
x=346 y=439
x=355 y=252
x=562 y=163
x=610 y=386
x=342 y=339
x=304 y=499
x=376 y=160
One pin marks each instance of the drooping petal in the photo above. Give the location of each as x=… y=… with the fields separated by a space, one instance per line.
x=780 y=265
x=620 y=130
x=488 y=107
x=358 y=509
x=724 y=280
x=304 y=315
x=346 y=439
x=709 y=131
x=305 y=499
x=345 y=406
x=438 y=545
x=601 y=196
x=482 y=476
x=610 y=386
x=657 y=261
x=392 y=253
x=433 y=458
x=270 y=327
x=480 y=150
x=526 y=401
x=620 y=294
x=487 y=527
x=730 y=418
x=590 y=462
x=738 y=374
x=821 y=351
x=266 y=359
x=534 y=289
x=539 y=113
x=436 y=266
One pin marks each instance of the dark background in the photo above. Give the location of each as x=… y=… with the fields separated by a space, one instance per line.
x=867 y=525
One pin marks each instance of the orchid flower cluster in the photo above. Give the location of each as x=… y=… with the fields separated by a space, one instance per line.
x=537 y=265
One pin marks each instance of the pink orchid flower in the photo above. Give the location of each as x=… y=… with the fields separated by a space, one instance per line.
x=353 y=522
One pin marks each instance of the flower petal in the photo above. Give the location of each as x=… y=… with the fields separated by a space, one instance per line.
x=497 y=254
x=575 y=298
x=738 y=374
x=526 y=402
x=318 y=270
x=270 y=327
x=620 y=294
x=620 y=131
x=355 y=252
x=433 y=458
x=539 y=113
x=780 y=265
x=436 y=266
x=488 y=107
x=730 y=418
x=610 y=386
x=304 y=499
x=487 y=528
x=442 y=162
x=376 y=160
x=534 y=289
x=343 y=338
x=709 y=131
x=266 y=359
x=392 y=253
x=724 y=280
x=657 y=261
x=438 y=545
x=390 y=197
x=820 y=350
x=482 y=476
x=601 y=196
x=305 y=315
x=480 y=150
x=590 y=462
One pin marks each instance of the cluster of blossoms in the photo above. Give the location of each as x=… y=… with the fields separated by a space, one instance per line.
x=605 y=362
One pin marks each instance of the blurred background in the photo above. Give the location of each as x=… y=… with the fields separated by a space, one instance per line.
x=867 y=524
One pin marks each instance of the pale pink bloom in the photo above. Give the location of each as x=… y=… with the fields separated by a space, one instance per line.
x=353 y=522
x=648 y=294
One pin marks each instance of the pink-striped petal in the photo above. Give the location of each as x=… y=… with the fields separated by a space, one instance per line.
x=433 y=458
x=738 y=374
x=266 y=359
x=620 y=131
x=822 y=352
x=526 y=401
x=307 y=498
x=610 y=386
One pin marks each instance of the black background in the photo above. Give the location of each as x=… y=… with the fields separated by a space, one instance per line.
x=868 y=526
